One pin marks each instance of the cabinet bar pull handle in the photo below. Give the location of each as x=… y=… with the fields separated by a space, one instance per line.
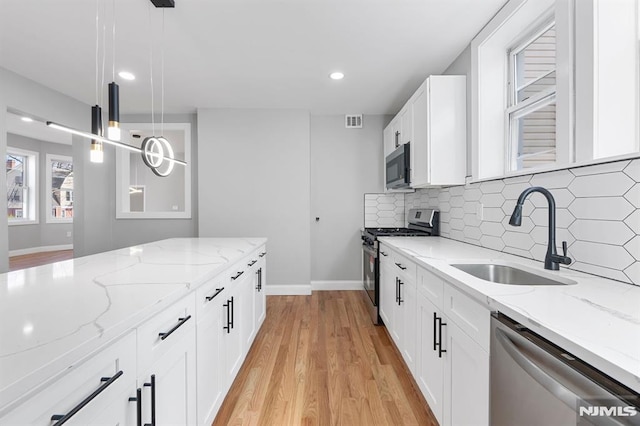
x=175 y=327
x=258 y=283
x=253 y=262
x=440 y=350
x=262 y=254
x=138 y=400
x=435 y=331
x=61 y=419
x=153 y=400
x=232 y=313
x=218 y=291
x=235 y=277
x=399 y=265
x=228 y=326
x=383 y=253
x=400 y=283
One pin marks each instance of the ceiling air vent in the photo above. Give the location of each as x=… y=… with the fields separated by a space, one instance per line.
x=353 y=121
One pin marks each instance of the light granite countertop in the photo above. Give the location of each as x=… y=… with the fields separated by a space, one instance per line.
x=597 y=319
x=52 y=316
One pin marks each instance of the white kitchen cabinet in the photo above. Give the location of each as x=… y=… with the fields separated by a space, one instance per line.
x=389 y=140
x=398 y=302
x=113 y=370
x=439 y=144
x=452 y=367
x=261 y=295
x=167 y=365
x=466 y=384
x=212 y=374
x=429 y=361
x=406 y=123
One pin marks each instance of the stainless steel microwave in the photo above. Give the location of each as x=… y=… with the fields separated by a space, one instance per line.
x=398 y=165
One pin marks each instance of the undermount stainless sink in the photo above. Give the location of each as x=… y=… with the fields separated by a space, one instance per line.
x=503 y=273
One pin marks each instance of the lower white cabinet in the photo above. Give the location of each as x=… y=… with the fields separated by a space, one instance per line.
x=73 y=397
x=167 y=365
x=466 y=384
x=261 y=295
x=443 y=336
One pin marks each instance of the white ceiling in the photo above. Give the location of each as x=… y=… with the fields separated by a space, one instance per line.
x=244 y=54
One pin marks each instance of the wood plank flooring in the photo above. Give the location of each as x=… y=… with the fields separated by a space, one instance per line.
x=318 y=360
x=37 y=259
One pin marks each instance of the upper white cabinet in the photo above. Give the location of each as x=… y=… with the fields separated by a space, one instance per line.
x=434 y=120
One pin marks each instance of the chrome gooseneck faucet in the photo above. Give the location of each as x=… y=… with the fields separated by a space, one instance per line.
x=552 y=259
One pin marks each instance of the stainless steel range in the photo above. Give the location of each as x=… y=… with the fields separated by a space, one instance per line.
x=422 y=223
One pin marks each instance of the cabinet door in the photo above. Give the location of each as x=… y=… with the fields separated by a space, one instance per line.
x=396 y=129
x=388 y=140
x=246 y=308
x=261 y=298
x=212 y=371
x=406 y=124
x=408 y=324
x=420 y=147
x=467 y=380
x=429 y=364
x=231 y=336
x=387 y=295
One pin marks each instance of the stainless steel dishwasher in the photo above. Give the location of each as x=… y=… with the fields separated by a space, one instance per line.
x=536 y=383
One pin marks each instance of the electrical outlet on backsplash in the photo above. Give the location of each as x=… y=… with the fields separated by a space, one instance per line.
x=598 y=214
x=384 y=210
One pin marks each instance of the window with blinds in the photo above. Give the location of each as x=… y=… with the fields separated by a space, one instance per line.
x=531 y=112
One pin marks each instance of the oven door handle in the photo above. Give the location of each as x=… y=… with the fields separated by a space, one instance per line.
x=369 y=251
x=538 y=373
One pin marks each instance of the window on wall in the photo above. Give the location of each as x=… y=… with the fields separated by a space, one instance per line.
x=60 y=186
x=21 y=172
x=531 y=112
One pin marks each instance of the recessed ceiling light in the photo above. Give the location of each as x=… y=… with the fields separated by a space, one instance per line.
x=336 y=75
x=27 y=119
x=126 y=75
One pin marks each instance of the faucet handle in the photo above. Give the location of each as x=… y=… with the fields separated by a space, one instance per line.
x=564 y=248
x=564 y=259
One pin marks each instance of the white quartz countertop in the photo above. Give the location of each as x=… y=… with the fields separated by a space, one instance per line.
x=54 y=315
x=597 y=319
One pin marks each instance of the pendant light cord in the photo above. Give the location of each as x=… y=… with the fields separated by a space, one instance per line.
x=153 y=124
x=113 y=44
x=162 y=78
x=104 y=53
x=97 y=47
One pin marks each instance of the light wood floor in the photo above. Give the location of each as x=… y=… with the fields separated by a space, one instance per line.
x=318 y=360
x=37 y=259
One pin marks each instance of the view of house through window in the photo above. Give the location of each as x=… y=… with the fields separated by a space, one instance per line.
x=16 y=186
x=531 y=114
x=61 y=188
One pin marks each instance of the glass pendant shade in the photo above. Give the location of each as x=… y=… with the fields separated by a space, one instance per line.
x=113 y=131
x=96 y=154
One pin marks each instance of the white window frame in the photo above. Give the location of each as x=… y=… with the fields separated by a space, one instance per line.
x=490 y=77
x=32 y=184
x=49 y=184
x=123 y=179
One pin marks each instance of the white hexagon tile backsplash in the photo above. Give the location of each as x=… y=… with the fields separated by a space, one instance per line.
x=598 y=214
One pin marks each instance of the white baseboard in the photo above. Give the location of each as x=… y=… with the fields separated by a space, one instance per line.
x=336 y=285
x=32 y=250
x=288 y=290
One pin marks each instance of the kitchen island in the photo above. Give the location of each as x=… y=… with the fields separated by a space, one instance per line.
x=55 y=318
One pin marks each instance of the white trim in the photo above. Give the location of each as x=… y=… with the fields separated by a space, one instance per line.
x=288 y=290
x=123 y=174
x=21 y=252
x=33 y=187
x=336 y=285
x=49 y=183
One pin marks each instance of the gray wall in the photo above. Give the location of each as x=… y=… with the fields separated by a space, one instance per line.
x=41 y=234
x=345 y=164
x=254 y=182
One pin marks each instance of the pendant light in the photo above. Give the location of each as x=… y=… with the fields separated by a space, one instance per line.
x=96 y=155
x=113 y=131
